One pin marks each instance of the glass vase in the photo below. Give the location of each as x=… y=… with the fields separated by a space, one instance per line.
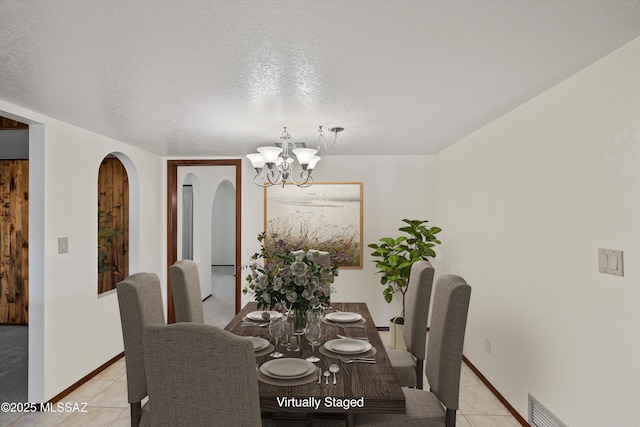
x=299 y=317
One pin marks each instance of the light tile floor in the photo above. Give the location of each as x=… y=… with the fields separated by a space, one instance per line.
x=106 y=398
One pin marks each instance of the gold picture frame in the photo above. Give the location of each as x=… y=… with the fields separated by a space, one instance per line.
x=326 y=216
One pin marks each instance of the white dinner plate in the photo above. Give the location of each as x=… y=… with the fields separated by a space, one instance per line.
x=287 y=368
x=258 y=343
x=347 y=346
x=343 y=316
x=257 y=315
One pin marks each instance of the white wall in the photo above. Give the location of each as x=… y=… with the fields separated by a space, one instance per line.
x=525 y=203
x=394 y=187
x=72 y=330
x=223 y=225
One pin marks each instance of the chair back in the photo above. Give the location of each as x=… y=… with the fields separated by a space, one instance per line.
x=185 y=287
x=417 y=300
x=446 y=338
x=140 y=303
x=200 y=375
x=320 y=257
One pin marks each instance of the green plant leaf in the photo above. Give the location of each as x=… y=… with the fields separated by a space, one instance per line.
x=399 y=240
x=406 y=264
x=397 y=255
x=388 y=294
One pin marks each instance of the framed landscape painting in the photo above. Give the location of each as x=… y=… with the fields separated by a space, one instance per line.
x=326 y=216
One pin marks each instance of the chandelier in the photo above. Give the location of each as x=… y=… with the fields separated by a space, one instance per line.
x=280 y=162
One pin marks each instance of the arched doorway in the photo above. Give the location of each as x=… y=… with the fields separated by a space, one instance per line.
x=223 y=266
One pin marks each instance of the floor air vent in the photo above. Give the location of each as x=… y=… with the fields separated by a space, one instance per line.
x=539 y=416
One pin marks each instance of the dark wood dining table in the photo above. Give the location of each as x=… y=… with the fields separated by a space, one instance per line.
x=376 y=383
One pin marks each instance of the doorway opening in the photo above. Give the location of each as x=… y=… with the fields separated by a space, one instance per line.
x=220 y=308
x=14 y=262
x=174 y=188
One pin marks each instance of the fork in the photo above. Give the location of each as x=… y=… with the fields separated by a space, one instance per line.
x=259 y=325
x=363 y=360
x=347 y=325
x=353 y=338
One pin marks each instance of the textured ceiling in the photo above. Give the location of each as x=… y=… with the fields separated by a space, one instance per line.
x=220 y=78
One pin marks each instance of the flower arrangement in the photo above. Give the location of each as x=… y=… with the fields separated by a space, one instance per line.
x=288 y=280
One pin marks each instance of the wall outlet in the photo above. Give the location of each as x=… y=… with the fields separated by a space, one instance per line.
x=63 y=245
x=487 y=345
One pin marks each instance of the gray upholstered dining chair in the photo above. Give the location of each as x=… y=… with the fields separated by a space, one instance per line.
x=320 y=257
x=409 y=364
x=185 y=287
x=436 y=407
x=200 y=375
x=140 y=303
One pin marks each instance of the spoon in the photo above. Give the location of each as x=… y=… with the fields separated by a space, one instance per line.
x=326 y=377
x=335 y=369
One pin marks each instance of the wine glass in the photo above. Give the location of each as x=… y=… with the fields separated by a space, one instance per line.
x=313 y=332
x=276 y=328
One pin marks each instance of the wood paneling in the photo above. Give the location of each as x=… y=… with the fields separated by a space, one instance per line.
x=113 y=208
x=8 y=124
x=14 y=246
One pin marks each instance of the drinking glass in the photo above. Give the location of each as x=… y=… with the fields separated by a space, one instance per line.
x=313 y=332
x=276 y=328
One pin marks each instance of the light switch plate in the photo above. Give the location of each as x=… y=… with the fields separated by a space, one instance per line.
x=63 y=245
x=610 y=262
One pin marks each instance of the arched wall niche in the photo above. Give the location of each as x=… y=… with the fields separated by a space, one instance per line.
x=118 y=220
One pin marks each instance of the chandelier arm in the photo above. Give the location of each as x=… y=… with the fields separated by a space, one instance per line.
x=263 y=183
x=307 y=183
x=305 y=175
x=272 y=174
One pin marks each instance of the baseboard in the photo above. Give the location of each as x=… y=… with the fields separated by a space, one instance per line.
x=86 y=378
x=500 y=397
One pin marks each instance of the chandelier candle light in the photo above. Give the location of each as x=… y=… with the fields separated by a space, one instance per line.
x=280 y=162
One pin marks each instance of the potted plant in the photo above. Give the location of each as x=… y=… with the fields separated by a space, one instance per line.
x=397 y=255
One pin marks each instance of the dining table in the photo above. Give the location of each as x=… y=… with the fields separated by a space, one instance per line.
x=359 y=387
